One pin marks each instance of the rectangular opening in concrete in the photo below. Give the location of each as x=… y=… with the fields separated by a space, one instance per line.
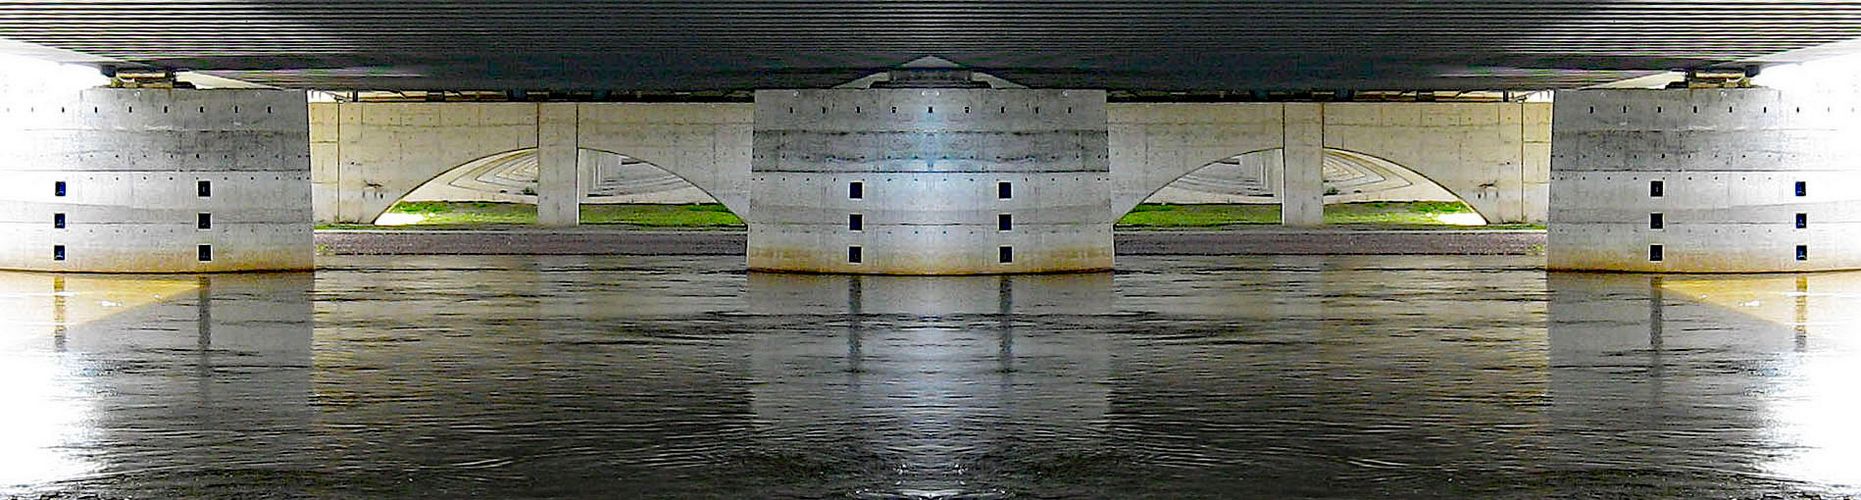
x=1004 y=190
x=203 y=188
x=855 y=222
x=58 y=221
x=1657 y=221
x=58 y=252
x=1004 y=222
x=203 y=221
x=1802 y=189
x=1802 y=221
x=1657 y=189
x=1006 y=255
x=856 y=190
x=206 y=253
x=1655 y=253
x=58 y=189
x=854 y=255
x=1802 y=252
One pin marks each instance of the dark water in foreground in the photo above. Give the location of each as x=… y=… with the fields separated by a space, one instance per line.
x=672 y=377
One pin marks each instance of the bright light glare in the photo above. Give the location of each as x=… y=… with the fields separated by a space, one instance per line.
x=1461 y=219
x=24 y=76
x=392 y=219
x=1833 y=75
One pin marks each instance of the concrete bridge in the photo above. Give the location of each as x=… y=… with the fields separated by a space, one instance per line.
x=934 y=137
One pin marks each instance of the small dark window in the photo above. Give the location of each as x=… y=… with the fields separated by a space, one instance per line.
x=854 y=255
x=856 y=190
x=58 y=189
x=1656 y=221
x=1655 y=254
x=206 y=253
x=58 y=221
x=1004 y=190
x=855 y=222
x=1005 y=222
x=1802 y=252
x=203 y=188
x=1007 y=255
x=58 y=252
x=1657 y=189
x=1802 y=221
x=204 y=221
x=1802 y=188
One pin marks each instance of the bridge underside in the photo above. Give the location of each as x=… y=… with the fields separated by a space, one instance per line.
x=692 y=45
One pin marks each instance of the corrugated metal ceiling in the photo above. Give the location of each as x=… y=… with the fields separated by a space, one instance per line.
x=715 y=44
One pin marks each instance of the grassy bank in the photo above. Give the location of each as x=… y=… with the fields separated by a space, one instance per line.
x=1399 y=215
x=434 y=214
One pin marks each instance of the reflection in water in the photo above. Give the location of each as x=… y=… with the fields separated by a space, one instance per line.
x=183 y=374
x=1179 y=377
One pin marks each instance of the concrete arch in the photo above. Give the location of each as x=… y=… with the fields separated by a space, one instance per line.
x=404 y=186
x=1331 y=154
x=367 y=156
x=737 y=206
x=526 y=154
x=1155 y=179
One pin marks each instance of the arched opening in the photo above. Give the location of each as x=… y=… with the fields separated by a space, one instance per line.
x=1359 y=189
x=614 y=189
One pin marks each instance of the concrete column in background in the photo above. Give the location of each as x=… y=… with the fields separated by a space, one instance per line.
x=1302 y=176
x=558 y=179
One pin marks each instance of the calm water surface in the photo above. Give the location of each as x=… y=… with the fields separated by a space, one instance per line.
x=444 y=377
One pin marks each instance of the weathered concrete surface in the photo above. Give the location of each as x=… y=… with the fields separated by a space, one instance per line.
x=1728 y=161
x=592 y=241
x=132 y=161
x=931 y=164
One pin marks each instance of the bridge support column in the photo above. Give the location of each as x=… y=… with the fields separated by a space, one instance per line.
x=558 y=176
x=156 y=181
x=1302 y=172
x=1708 y=180
x=930 y=181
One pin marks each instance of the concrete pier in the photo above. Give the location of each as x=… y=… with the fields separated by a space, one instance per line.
x=156 y=181
x=930 y=181
x=1732 y=180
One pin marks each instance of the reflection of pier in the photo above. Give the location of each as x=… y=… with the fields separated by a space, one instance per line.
x=137 y=373
x=941 y=377
x=1674 y=366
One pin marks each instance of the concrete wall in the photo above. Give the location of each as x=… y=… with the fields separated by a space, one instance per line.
x=1495 y=156
x=1728 y=161
x=367 y=156
x=131 y=161
x=930 y=163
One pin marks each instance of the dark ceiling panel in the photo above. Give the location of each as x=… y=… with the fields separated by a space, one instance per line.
x=713 y=44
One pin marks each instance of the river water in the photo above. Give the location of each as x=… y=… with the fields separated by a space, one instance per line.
x=628 y=377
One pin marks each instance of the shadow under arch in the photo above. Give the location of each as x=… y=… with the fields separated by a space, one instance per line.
x=511 y=177
x=1350 y=176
